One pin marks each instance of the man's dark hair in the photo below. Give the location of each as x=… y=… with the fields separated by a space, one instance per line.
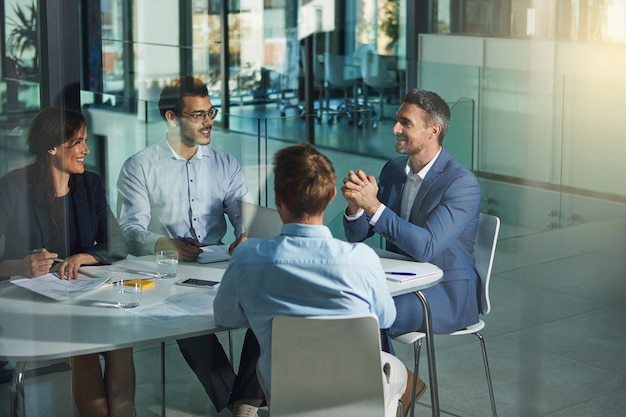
x=172 y=95
x=435 y=107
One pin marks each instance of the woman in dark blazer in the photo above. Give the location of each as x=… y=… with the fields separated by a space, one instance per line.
x=53 y=209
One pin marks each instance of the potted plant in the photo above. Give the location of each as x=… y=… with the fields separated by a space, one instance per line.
x=22 y=45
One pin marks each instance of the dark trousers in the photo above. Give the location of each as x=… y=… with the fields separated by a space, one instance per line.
x=207 y=359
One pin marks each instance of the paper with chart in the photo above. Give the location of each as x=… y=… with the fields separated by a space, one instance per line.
x=51 y=286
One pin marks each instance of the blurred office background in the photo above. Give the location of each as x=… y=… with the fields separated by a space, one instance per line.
x=537 y=90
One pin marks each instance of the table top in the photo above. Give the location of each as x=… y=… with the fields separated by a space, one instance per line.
x=34 y=327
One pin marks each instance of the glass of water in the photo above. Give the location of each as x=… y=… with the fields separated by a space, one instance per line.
x=167 y=263
x=128 y=293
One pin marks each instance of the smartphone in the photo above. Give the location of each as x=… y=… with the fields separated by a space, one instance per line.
x=195 y=282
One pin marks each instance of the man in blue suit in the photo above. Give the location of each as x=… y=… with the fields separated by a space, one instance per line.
x=426 y=205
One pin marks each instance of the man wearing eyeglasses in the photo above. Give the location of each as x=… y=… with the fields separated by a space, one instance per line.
x=176 y=194
x=181 y=186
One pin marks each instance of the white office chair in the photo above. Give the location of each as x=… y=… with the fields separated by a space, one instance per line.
x=484 y=252
x=326 y=366
x=376 y=75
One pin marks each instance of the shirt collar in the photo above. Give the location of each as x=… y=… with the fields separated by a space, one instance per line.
x=168 y=152
x=422 y=172
x=305 y=230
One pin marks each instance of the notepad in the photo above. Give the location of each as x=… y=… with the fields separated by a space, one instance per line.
x=213 y=253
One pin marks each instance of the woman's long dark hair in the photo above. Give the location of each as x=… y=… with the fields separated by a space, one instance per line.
x=51 y=127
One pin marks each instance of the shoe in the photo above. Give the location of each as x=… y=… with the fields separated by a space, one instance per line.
x=242 y=409
x=420 y=389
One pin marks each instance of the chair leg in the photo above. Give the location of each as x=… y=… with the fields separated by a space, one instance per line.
x=487 y=373
x=416 y=361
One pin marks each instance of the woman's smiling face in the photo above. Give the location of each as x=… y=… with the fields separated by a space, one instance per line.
x=69 y=157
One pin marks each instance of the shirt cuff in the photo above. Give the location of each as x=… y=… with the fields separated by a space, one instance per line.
x=377 y=215
x=353 y=217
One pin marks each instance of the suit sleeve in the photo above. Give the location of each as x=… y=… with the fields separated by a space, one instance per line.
x=457 y=207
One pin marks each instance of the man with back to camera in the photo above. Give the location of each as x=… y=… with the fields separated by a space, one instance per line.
x=181 y=186
x=426 y=205
x=304 y=271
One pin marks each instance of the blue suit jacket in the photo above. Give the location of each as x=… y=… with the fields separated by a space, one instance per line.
x=441 y=230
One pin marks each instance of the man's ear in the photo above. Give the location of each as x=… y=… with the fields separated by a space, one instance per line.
x=436 y=129
x=277 y=201
x=170 y=116
x=332 y=197
x=52 y=151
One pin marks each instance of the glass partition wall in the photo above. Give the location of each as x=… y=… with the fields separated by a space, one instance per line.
x=531 y=137
x=252 y=55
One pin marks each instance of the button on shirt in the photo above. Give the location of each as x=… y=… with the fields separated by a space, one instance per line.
x=162 y=194
x=303 y=271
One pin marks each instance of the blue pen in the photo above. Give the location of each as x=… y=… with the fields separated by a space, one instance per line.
x=185 y=241
x=408 y=274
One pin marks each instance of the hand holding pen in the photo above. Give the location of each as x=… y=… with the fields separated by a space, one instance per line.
x=38 y=262
x=188 y=248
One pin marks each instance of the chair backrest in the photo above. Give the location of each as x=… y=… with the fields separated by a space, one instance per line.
x=336 y=72
x=484 y=252
x=374 y=71
x=260 y=221
x=326 y=366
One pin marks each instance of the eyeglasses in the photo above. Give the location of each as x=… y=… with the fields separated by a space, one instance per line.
x=198 y=117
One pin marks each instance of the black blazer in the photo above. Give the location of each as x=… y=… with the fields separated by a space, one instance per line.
x=26 y=225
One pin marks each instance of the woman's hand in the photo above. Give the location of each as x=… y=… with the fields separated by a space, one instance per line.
x=38 y=263
x=68 y=269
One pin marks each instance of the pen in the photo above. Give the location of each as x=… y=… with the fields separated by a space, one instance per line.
x=55 y=260
x=185 y=241
x=408 y=274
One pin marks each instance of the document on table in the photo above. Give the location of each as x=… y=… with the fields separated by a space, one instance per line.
x=59 y=289
x=213 y=253
x=194 y=303
x=402 y=271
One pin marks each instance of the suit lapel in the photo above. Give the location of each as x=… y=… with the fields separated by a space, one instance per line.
x=397 y=185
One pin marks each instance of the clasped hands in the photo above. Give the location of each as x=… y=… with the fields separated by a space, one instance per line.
x=361 y=192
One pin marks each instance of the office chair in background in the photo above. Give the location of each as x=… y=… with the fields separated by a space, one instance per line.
x=376 y=75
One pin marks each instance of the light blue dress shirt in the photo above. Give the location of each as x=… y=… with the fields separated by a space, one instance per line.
x=302 y=272
x=162 y=194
